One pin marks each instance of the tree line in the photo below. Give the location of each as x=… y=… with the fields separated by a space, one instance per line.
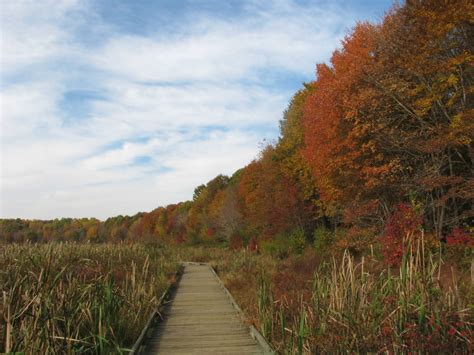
x=384 y=132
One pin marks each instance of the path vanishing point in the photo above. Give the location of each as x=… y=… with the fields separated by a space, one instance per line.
x=200 y=317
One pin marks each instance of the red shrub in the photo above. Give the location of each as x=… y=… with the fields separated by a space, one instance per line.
x=236 y=242
x=180 y=239
x=402 y=225
x=460 y=237
x=209 y=232
x=253 y=246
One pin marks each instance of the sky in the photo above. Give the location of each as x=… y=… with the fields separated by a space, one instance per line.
x=113 y=107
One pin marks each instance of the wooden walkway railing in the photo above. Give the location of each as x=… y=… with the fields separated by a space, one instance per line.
x=199 y=316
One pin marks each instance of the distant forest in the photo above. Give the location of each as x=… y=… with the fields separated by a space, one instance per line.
x=380 y=142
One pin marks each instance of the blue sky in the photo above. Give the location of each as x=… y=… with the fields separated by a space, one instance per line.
x=113 y=107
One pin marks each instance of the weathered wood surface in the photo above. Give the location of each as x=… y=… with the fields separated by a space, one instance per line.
x=200 y=319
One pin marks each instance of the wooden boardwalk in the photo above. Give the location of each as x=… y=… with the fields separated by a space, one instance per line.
x=201 y=318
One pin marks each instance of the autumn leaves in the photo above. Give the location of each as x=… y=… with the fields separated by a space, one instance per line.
x=388 y=122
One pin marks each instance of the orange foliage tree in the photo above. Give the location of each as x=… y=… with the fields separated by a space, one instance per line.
x=272 y=201
x=391 y=119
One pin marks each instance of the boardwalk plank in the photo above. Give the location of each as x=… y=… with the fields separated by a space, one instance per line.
x=200 y=319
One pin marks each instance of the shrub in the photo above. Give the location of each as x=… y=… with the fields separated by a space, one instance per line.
x=276 y=248
x=297 y=241
x=236 y=242
x=279 y=247
x=323 y=239
x=402 y=225
x=285 y=244
x=460 y=246
x=461 y=238
x=356 y=240
x=252 y=245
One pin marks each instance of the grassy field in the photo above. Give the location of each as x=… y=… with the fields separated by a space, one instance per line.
x=68 y=298
x=309 y=304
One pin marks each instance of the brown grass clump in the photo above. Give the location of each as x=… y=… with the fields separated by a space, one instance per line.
x=69 y=298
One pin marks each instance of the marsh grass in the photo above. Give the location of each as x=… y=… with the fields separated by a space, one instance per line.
x=68 y=298
x=353 y=310
x=337 y=304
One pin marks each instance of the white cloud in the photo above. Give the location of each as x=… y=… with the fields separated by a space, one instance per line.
x=34 y=31
x=197 y=102
x=106 y=185
x=162 y=108
x=286 y=37
x=28 y=108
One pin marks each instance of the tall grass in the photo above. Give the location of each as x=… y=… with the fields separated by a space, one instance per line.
x=353 y=310
x=350 y=304
x=70 y=298
x=67 y=298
